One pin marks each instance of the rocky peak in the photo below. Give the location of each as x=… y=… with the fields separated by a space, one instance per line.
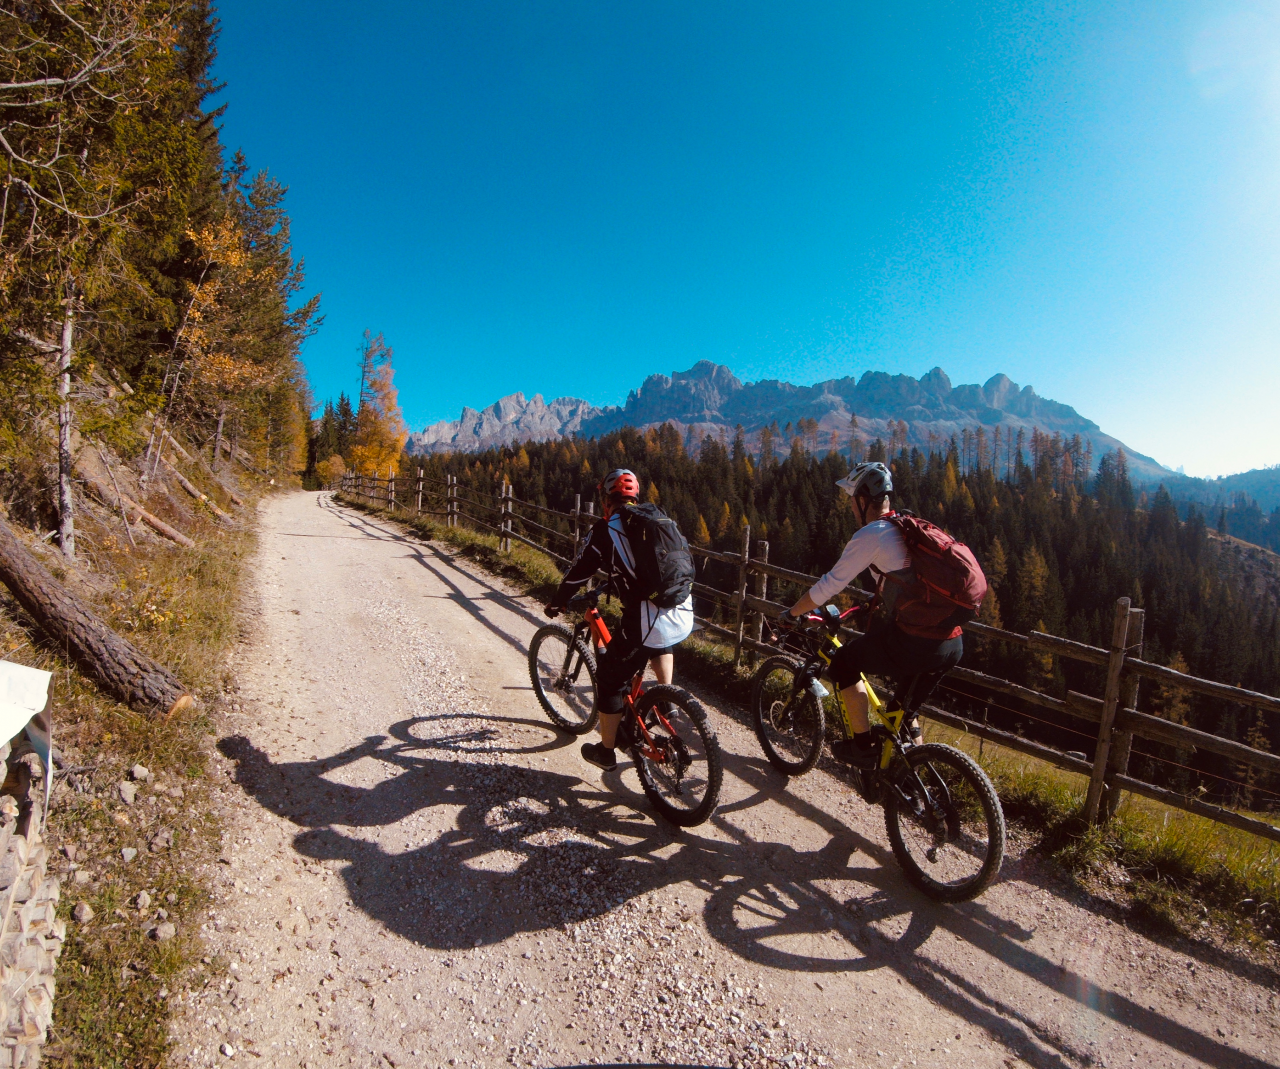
x=709 y=396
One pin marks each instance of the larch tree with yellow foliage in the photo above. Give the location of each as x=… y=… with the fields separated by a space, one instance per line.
x=380 y=429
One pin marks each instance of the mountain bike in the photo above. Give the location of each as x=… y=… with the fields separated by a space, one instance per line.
x=941 y=811
x=664 y=728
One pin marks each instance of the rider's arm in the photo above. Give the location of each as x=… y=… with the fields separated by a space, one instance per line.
x=590 y=560
x=804 y=605
x=877 y=543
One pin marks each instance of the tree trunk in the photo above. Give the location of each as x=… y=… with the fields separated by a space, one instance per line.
x=217 y=437
x=195 y=491
x=114 y=663
x=66 y=506
x=129 y=505
x=180 y=451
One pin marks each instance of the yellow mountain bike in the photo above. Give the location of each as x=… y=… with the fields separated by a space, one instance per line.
x=941 y=811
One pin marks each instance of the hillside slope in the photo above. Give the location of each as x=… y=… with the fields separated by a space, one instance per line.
x=1261 y=485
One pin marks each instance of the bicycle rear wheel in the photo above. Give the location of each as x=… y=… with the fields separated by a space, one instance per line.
x=946 y=827
x=789 y=720
x=680 y=767
x=563 y=673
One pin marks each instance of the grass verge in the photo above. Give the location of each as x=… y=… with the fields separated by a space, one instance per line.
x=1175 y=871
x=114 y=979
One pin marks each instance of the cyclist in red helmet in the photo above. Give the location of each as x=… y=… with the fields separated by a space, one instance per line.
x=647 y=633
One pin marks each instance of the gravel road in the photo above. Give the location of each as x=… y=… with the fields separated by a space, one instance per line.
x=419 y=871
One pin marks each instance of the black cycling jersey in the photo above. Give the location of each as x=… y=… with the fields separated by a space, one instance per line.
x=606 y=549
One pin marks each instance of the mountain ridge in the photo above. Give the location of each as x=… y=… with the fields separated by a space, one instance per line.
x=708 y=397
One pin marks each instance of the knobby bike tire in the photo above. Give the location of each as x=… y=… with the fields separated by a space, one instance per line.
x=652 y=777
x=564 y=639
x=764 y=718
x=967 y=771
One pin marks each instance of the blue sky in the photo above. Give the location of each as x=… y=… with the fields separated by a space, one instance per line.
x=566 y=197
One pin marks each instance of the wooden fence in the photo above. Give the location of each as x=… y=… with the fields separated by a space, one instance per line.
x=1113 y=716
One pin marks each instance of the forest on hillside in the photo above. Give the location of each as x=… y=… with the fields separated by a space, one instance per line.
x=1244 y=519
x=147 y=278
x=1058 y=545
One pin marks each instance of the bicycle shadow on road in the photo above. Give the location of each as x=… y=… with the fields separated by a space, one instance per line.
x=499 y=850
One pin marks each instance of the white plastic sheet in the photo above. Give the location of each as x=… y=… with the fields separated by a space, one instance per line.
x=24 y=692
x=24 y=695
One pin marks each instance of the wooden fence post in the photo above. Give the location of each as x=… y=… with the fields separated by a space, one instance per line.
x=741 y=607
x=1122 y=741
x=577 y=509
x=418 y=510
x=504 y=543
x=1110 y=699
x=391 y=489
x=762 y=589
x=452 y=506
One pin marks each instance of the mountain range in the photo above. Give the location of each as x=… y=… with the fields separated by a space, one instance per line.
x=709 y=397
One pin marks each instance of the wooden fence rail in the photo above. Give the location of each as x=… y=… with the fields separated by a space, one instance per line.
x=747 y=605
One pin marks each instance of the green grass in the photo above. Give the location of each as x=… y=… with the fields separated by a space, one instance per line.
x=1177 y=868
x=1181 y=868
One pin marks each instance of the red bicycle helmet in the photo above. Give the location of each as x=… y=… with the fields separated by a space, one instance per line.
x=621 y=482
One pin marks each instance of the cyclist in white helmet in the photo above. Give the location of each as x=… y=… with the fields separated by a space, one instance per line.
x=885 y=649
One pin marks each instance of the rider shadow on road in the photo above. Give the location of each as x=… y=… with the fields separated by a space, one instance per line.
x=473 y=850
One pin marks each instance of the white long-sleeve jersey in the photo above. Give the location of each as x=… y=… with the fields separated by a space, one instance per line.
x=879 y=544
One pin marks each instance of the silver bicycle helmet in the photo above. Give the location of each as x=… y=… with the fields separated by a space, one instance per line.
x=869 y=477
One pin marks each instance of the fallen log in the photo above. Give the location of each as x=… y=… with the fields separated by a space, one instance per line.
x=112 y=661
x=154 y=522
x=195 y=491
x=181 y=452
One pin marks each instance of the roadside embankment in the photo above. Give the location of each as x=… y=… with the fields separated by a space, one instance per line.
x=129 y=818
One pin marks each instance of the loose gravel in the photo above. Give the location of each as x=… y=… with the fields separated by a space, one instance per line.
x=418 y=870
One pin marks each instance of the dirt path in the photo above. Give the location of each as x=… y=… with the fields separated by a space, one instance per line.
x=418 y=871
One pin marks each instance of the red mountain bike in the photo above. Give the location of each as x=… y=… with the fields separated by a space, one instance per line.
x=664 y=728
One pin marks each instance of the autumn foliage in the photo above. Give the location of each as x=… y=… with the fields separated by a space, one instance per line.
x=380 y=429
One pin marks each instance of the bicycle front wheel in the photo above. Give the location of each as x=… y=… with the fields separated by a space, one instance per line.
x=945 y=823
x=789 y=719
x=679 y=764
x=563 y=673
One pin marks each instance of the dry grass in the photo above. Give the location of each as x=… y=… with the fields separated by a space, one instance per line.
x=178 y=605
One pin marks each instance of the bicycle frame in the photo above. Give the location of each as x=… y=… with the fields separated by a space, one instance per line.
x=878 y=712
x=593 y=622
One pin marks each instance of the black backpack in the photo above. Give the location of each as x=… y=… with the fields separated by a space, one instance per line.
x=664 y=565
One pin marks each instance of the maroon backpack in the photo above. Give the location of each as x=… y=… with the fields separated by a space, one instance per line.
x=942 y=589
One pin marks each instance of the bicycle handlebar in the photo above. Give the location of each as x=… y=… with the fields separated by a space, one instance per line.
x=587 y=599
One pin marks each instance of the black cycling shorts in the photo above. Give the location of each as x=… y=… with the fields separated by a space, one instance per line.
x=620 y=661
x=887 y=651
